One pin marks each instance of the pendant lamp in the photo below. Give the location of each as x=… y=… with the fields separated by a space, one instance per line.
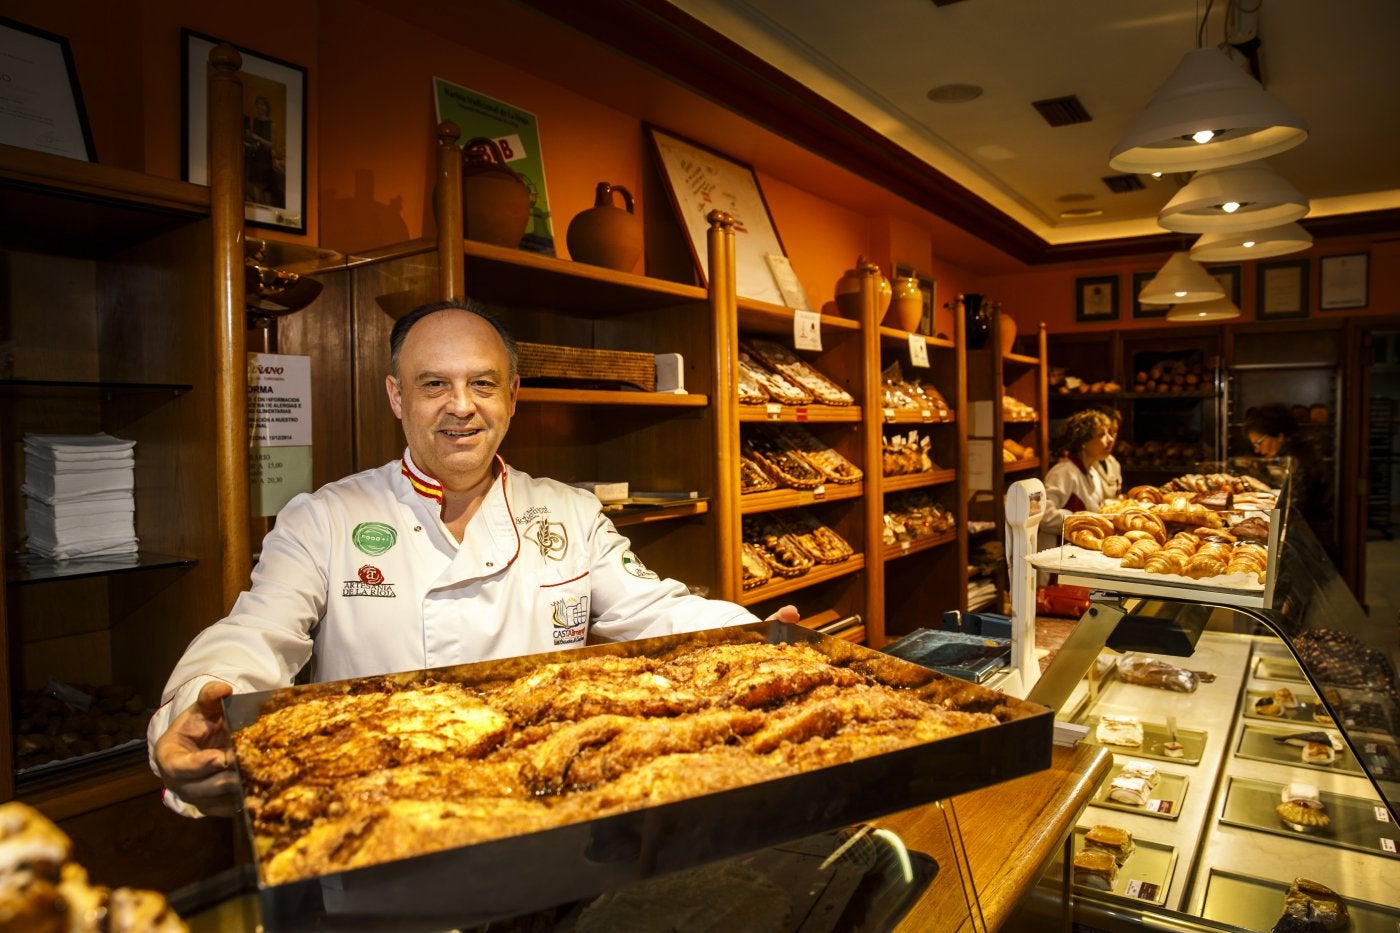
x=1238 y=197
x=1210 y=113
x=1228 y=246
x=1219 y=309
x=1180 y=280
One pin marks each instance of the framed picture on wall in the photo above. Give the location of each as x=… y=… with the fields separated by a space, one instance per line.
x=1282 y=291
x=1229 y=279
x=274 y=132
x=1140 y=310
x=700 y=180
x=1096 y=298
x=42 y=103
x=1343 y=281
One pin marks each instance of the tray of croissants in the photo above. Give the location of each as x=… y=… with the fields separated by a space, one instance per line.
x=1173 y=535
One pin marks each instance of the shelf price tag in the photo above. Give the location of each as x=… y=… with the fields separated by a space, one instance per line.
x=819 y=492
x=801 y=412
x=806 y=330
x=889 y=414
x=918 y=351
x=774 y=410
x=1388 y=845
x=926 y=414
x=1382 y=815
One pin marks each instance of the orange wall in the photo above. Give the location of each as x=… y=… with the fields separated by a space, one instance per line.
x=370 y=140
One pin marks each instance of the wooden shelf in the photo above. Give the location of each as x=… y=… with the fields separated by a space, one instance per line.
x=896 y=551
x=84 y=788
x=751 y=503
x=800 y=414
x=657 y=513
x=820 y=573
x=894 y=337
x=776 y=320
x=543 y=396
x=906 y=481
x=1022 y=466
x=1021 y=359
x=915 y=416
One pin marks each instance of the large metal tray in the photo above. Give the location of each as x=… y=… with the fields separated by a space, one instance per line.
x=1355 y=823
x=502 y=878
x=1251 y=903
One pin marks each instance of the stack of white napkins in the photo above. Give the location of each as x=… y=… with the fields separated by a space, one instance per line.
x=80 y=491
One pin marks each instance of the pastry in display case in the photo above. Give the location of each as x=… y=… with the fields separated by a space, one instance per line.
x=1286 y=704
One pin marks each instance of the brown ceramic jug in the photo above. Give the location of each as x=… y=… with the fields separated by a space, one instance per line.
x=848 y=290
x=495 y=201
x=606 y=235
x=906 y=304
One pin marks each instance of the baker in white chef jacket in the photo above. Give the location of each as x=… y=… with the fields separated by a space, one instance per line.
x=444 y=557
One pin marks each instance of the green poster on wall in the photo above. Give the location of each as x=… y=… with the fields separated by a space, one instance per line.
x=517 y=134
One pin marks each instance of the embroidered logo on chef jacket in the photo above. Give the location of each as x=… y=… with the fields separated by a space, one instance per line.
x=550 y=537
x=371 y=583
x=633 y=565
x=374 y=538
x=570 y=619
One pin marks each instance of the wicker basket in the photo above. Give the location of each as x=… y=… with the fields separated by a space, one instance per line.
x=578 y=364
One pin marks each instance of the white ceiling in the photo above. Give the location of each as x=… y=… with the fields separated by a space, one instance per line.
x=1335 y=62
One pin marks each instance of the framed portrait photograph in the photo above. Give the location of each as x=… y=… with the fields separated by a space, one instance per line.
x=1096 y=298
x=1282 y=290
x=1343 y=281
x=700 y=180
x=41 y=107
x=1140 y=310
x=274 y=132
x=1229 y=279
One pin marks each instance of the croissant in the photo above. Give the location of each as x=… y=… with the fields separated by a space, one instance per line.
x=1139 y=552
x=1166 y=561
x=1183 y=511
x=1115 y=546
x=1138 y=534
x=1183 y=542
x=1205 y=565
x=1145 y=494
x=1087 y=529
x=1302 y=814
x=1140 y=519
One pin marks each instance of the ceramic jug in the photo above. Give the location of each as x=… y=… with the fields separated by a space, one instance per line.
x=848 y=290
x=906 y=304
x=607 y=235
x=495 y=200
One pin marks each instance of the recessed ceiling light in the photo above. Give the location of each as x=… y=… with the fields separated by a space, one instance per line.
x=954 y=93
x=1080 y=213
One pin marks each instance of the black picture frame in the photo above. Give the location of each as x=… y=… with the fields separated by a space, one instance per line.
x=1343 y=281
x=1282 y=290
x=1096 y=298
x=1142 y=312
x=1229 y=278
x=51 y=117
x=274 y=141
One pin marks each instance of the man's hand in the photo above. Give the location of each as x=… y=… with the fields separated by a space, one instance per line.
x=787 y=614
x=195 y=756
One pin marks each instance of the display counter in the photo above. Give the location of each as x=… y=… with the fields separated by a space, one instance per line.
x=1286 y=721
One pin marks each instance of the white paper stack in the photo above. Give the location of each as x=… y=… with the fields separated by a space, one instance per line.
x=80 y=495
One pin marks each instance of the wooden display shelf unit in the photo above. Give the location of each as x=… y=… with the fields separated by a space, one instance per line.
x=783 y=586
x=907 y=481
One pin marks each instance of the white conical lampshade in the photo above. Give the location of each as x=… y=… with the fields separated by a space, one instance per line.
x=1238 y=197
x=1251 y=244
x=1207 y=93
x=1219 y=309
x=1180 y=280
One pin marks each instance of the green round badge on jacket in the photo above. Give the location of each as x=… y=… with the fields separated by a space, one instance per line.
x=374 y=537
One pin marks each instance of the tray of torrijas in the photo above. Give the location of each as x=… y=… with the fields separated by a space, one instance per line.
x=458 y=796
x=1163 y=540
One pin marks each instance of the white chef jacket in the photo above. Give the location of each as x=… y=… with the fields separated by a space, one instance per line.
x=1069 y=488
x=362 y=577
x=1112 y=476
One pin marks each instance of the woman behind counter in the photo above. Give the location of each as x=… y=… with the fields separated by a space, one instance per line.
x=1075 y=483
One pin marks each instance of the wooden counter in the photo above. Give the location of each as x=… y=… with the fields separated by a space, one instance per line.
x=1009 y=830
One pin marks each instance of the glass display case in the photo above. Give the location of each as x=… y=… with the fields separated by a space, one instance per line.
x=1255 y=742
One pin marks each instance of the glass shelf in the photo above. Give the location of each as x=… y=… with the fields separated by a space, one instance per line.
x=23 y=569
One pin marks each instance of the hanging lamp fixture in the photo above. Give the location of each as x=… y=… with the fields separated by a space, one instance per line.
x=1232 y=245
x=1209 y=113
x=1217 y=309
x=1237 y=197
x=1179 y=281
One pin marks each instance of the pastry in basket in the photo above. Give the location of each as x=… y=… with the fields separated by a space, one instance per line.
x=1301 y=807
x=1095 y=868
x=786 y=466
x=825 y=545
x=1309 y=907
x=831 y=464
x=779 y=388
x=779 y=358
x=756 y=570
x=1087 y=529
x=1114 y=840
x=1114 y=729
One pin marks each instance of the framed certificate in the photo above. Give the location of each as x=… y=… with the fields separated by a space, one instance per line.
x=1344 y=281
x=41 y=107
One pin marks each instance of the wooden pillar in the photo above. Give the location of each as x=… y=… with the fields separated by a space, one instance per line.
x=225 y=115
x=724 y=325
x=447 y=204
x=873 y=437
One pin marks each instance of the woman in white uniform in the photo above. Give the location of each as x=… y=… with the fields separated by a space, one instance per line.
x=444 y=557
x=1075 y=483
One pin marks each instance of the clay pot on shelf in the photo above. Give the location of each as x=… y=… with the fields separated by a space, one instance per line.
x=607 y=235
x=1007 y=332
x=848 y=290
x=495 y=200
x=906 y=304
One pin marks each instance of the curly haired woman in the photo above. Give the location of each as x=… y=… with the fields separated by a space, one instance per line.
x=1075 y=483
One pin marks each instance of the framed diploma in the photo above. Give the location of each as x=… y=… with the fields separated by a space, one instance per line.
x=701 y=180
x=1344 y=282
x=1282 y=290
x=41 y=105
